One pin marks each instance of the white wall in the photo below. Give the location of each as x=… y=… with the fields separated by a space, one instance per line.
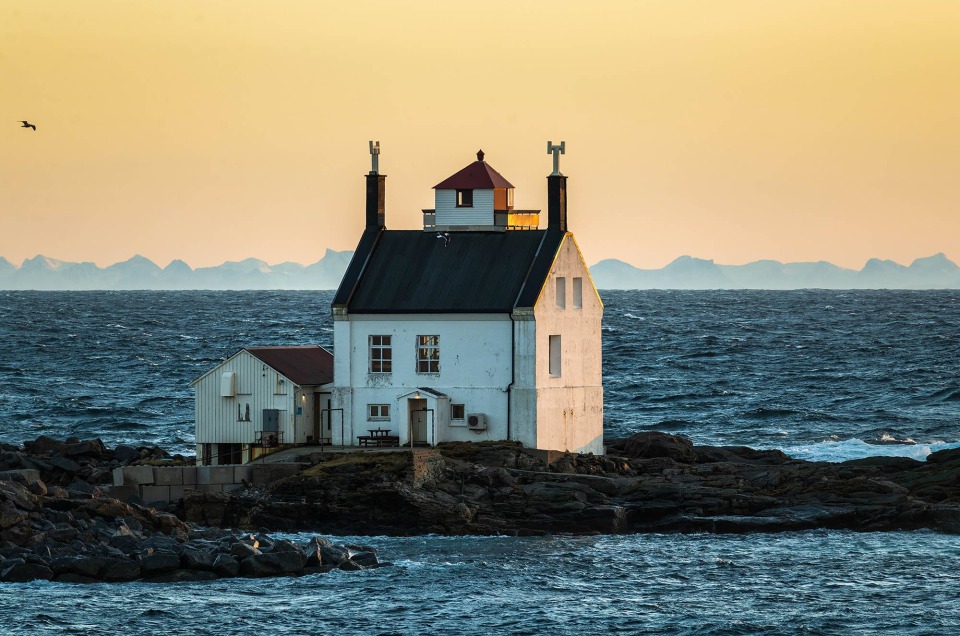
x=475 y=363
x=569 y=406
x=257 y=386
x=449 y=214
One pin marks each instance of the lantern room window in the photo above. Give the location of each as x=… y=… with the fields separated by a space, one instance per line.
x=464 y=198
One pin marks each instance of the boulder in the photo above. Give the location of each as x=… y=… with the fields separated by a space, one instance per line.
x=25 y=571
x=365 y=559
x=261 y=565
x=226 y=565
x=649 y=445
x=159 y=562
x=117 y=571
x=196 y=559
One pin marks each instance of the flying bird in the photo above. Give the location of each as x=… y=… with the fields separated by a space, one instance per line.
x=27 y=124
x=445 y=236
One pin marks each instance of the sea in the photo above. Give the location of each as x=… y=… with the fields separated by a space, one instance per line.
x=822 y=375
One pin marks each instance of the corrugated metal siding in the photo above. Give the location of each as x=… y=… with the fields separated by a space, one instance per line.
x=449 y=214
x=216 y=416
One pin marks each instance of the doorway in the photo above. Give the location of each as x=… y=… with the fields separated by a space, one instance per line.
x=418 y=422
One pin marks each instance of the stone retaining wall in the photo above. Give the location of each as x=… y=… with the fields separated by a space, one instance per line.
x=160 y=484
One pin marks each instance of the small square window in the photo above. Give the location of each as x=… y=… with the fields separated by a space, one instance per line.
x=457 y=412
x=378 y=412
x=464 y=198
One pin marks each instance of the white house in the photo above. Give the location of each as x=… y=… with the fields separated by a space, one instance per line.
x=262 y=398
x=477 y=326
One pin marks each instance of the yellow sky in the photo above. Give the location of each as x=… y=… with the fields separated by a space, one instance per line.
x=735 y=130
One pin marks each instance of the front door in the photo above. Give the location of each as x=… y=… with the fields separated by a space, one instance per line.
x=418 y=421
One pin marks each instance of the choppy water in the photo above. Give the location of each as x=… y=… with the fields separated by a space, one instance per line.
x=820 y=373
x=797 y=583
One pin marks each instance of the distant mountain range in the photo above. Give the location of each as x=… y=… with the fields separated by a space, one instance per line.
x=932 y=272
x=42 y=273
x=141 y=273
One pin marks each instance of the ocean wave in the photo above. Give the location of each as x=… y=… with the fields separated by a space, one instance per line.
x=845 y=450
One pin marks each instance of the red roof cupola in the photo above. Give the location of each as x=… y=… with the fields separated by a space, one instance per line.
x=477 y=176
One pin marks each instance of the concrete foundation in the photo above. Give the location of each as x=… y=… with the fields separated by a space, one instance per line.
x=160 y=484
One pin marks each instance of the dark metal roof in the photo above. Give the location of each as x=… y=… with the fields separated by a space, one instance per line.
x=306 y=366
x=368 y=240
x=477 y=176
x=411 y=271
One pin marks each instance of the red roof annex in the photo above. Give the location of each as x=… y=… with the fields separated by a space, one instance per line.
x=477 y=176
x=306 y=366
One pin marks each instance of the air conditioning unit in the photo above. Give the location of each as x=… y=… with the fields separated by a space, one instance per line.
x=476 y=421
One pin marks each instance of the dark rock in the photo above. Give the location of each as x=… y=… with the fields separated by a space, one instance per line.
x=23 y=572
x=79 y=487
x=69 y=577
x=181 y=576
x=333 y=554
x=365 y=559
x=64 y=464
x=89 y=448
x=261 y=565
x=244 y=550
x=350 y=566
x=159 y=562
x=10 y=515
x=195 y=559
x=128 y=570
x=653 y=444
x=127 y=544
x=226 y=565
x=44 y=445
x=87 y=565
x=125 y=454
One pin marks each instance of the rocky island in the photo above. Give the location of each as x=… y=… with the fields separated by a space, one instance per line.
x=650 y=482
x=58 y=520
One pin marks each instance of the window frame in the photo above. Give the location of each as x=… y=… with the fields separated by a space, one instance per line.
x=578 y=292
x=464 y=198
x=463 y=412
x=380 y=364
x=428 y=354
x=555 y=349
x=561 y=292
x=382 y=410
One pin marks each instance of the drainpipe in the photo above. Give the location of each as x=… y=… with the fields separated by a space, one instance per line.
x=513 y=369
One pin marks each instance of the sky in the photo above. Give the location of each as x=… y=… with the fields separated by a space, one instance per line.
x=216 y=130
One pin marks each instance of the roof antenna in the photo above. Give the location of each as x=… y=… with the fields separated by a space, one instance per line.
x=375 y=157
x=556 y=151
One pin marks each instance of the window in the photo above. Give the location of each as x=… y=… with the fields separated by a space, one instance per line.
x=555 y=356
x=457 y=412
x=378 y=411
x=561 y=292
x=381 y=354
x=577 y=293
x=464 y=198
x=428 y=354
